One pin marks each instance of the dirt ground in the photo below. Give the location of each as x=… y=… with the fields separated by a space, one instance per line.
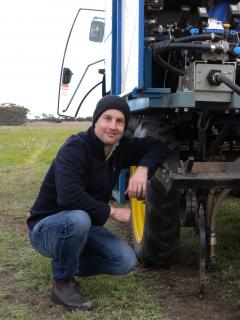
x=176 y=288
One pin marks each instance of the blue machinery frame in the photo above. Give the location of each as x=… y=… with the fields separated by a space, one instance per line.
x=119 y=192
x=149 y=97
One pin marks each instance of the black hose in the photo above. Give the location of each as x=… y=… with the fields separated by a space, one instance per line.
x=167 y=65
x=169 y=46
x=223 y=79
x=199 y=37
x=164 y=46
x=190 y=46
x=176 y=44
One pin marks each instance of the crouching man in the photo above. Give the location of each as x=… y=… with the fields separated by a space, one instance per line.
x=66 y=221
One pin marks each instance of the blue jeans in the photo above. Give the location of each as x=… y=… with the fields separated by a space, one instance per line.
x=78 y=248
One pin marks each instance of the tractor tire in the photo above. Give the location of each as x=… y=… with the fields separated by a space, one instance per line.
x=156 y=222
x=132 y=125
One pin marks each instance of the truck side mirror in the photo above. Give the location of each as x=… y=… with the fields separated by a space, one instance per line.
x=97 y=29
x=66 y=76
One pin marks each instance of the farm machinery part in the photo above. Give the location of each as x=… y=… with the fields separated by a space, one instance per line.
x=206 y=185
x=193 y=106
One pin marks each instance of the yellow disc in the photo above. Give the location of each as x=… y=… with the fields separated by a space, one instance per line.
x=138 y=214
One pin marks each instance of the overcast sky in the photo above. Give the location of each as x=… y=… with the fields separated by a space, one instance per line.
x=32 y=40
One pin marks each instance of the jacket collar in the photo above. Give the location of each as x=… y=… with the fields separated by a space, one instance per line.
x=98 y=146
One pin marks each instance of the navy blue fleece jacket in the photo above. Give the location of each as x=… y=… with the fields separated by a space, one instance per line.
x=80 y=178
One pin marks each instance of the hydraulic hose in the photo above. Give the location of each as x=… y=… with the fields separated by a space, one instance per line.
x=167 y=65
x=229 y=83
x=199 y=37
x=167 y=45
x=186 y=46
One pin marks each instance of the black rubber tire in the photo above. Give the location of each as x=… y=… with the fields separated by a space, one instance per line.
x=161 y=233
x=159 y=129
x=132 y=125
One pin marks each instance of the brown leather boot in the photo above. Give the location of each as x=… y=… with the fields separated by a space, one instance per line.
x=65 y=293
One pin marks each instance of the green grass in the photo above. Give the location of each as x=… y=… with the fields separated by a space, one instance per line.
x=228 y=241
x=25 y=276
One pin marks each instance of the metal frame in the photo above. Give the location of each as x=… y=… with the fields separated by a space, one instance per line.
x=119 y=191
x=141 y=45
x=213 y=181
x=116 y=47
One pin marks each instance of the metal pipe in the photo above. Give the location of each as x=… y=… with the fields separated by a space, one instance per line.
x=212 y=226
x=209 y=205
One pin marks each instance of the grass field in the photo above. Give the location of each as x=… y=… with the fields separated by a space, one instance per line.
x=26 y=153
x=25 y=276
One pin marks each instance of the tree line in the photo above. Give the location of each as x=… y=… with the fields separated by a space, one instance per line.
x=12 y=114
x=52 y=118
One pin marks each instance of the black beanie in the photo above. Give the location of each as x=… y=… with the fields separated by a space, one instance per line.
x=111 y=102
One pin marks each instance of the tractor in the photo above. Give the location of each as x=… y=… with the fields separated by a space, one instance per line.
x=177 y=64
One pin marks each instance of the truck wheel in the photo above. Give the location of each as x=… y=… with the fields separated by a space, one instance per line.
x=156 y=222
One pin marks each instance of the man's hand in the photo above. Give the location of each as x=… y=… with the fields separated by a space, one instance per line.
x=137 y=183
x=120 y=214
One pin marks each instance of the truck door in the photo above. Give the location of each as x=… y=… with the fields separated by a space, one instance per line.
x=82 y=71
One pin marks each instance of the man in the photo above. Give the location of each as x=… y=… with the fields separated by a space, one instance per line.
x=67 y=218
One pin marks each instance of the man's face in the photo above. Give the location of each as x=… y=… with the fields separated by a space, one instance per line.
x=109 y=127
